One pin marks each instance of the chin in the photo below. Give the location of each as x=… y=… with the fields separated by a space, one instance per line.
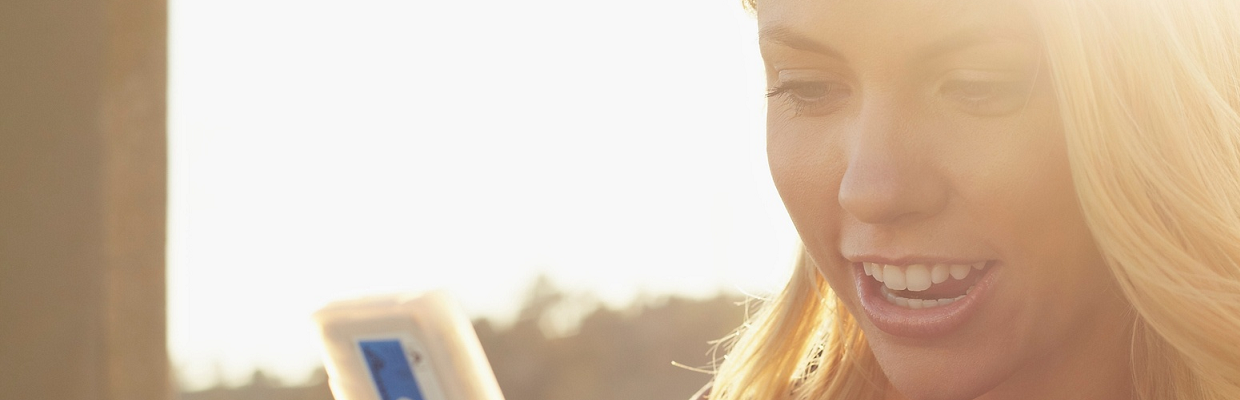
x=944 y=380
x=953 y=350
x=967 y=365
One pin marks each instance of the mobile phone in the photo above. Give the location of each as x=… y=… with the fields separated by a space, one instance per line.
x=404 y=347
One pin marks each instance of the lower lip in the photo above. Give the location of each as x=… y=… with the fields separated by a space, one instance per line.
x=922 y=323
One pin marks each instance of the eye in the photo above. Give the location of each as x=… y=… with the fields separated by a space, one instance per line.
x=987 y=97
x=811 y=97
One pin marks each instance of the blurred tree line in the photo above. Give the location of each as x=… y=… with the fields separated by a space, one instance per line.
x=567 y=346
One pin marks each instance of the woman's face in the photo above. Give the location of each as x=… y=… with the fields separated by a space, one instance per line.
x=921 y=139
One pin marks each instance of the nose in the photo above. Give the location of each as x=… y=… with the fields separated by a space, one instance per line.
x=890 y=177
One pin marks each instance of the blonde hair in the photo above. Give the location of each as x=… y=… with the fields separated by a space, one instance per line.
x=1149 y=92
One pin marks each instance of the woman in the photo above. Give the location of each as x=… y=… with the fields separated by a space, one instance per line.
x=1001 y=199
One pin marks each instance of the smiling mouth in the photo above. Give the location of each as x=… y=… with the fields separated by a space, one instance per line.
x=923 y=299
x=920 y=286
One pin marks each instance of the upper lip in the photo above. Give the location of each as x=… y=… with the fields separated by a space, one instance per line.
x=913 y=259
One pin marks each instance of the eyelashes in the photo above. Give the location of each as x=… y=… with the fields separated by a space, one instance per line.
x=988 y=98
x=979 y=97
x=810 y=97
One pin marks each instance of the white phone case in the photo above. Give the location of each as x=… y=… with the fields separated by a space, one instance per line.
x=404 y=347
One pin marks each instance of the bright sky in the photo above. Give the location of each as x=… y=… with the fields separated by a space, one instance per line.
x=326 y=150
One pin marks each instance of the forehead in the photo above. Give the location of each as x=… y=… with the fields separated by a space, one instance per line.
x=890 y=25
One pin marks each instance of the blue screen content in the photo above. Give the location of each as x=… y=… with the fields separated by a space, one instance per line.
x=390 y=369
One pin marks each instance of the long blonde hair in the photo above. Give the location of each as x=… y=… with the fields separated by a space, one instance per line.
x=1149 y=91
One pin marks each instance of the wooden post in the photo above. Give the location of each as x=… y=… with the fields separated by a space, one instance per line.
x=82 y=199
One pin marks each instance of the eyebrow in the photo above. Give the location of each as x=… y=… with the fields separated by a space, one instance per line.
x=788 y=37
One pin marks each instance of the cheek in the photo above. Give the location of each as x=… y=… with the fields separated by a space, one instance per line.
x=803 y=172
x=1025 y=199
x=807 y=168
x=1050 y=232
x=1022 y=200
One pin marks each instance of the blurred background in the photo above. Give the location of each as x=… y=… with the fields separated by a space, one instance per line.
x=587 y=178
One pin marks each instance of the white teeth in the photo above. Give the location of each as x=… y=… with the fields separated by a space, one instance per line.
x=917 y=304
x=959 y=271
x=894 y=277
x=917 y=278
x=939 y=273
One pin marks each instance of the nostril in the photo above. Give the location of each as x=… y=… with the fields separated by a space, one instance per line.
x=872 y=193
x=877 y=190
